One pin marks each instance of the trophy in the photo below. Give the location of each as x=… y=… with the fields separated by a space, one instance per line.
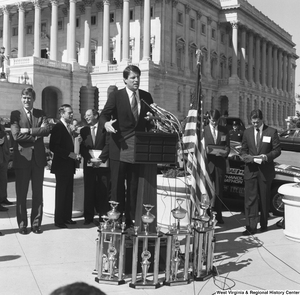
x=145 y=236
x=203 y=247
x=111 y=249
x=113 y=214
x=147 y=218
x=177 y=264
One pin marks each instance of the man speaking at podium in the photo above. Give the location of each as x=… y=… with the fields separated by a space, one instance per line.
x=123 y=114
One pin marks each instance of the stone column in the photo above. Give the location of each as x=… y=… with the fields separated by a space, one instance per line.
x=87 y=31
x=264 y=62
x=279 y=69
x=21 y=26
x=235 y=48
x=284 y=71
x=54 y=28
x=243 y=53
x=174 y=26
x=125 y=37
x=257 y=59
x=105 y=32
x=250 y=58
x=72 y=29
x=147 y=30
x=208 y=44
x=289 y=73
x=270 y=73
x=6 y=30
x=275 y=67
x=37 y=27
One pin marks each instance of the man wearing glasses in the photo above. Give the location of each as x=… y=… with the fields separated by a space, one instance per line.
x=260 y=146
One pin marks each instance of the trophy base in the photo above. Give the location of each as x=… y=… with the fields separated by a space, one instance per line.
x=141 y=285
x=206 y=276
x=177 y=283
x=110 y=282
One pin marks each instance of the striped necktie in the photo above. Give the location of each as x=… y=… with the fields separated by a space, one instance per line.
x=93 y=134
x=257 y=139
x=134 y=106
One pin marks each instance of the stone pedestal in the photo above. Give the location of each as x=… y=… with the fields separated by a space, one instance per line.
x=291 y=200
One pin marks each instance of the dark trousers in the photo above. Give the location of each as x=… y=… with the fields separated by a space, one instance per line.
x=63 y=197
x=122 y=172
x=3 y=181
x=23 y=176
x=257 y=198
x=218 y=179
x=96 y=192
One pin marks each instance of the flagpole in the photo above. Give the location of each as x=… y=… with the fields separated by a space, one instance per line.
x=199 y=92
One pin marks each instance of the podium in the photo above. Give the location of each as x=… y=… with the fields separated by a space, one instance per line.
x=149 y=149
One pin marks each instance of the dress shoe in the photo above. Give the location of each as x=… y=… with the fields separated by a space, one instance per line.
x=61 y=225
x=36 y=230
x=3 y=208
x=7 y=202
x=248 y=232
x=263 y=229
x=23 y=231
x=96 y=222
x=70 y=221
x=87 y=222
x=220 y=221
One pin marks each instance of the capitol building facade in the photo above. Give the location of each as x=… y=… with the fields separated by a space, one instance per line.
x=75 y=52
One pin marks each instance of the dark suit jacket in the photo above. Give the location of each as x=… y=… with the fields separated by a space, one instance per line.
x=19 y=119
x=118 y=107
x=61 y=144
x=87 y=143
x=269 y=146
x=222 y=140
x=4 y=147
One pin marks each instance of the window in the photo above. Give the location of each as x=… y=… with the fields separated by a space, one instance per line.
x=77 y=22
x=180 y=17
x=203 y=29
x=15 y=31
x=222 y=37
x=29 y=30
x=43 y=27
x=180 y=53
x=93 y=20
x=60 y=25
x=213 y=33
x=151 y=11
x=1 y=33
x=93 y=57
x=192 y=23
x=178 y=101
x=131 y=15
x=111 y=17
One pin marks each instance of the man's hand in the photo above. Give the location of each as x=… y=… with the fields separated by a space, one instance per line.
x=248 y=158
x=79 y=138
x=109 y=126
x=75 y=156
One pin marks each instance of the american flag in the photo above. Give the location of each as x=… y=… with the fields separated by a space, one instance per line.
x=194 y=147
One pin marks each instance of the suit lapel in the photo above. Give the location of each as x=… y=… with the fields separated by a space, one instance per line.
x=34 y=118
x=24 y=119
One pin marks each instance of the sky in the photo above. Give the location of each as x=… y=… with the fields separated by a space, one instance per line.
x=285 y=13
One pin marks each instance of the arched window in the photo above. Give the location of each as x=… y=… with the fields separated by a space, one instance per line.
x=213 y=64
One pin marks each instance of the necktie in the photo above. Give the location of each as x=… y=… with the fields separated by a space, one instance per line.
x=29 y=115
x=93 y=134
x=134 y=106
x=215 y=135
x=257 y=139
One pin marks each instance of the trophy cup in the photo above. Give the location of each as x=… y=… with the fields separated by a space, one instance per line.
x=203 y=247
x=113 y=214
x=144 y=236
x=111 y=249
x=176 y=275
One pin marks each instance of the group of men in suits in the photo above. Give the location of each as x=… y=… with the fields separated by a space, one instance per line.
x=260 y=146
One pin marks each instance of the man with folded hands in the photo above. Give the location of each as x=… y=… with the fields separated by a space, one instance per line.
x=260 y=146
x=94 y=151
